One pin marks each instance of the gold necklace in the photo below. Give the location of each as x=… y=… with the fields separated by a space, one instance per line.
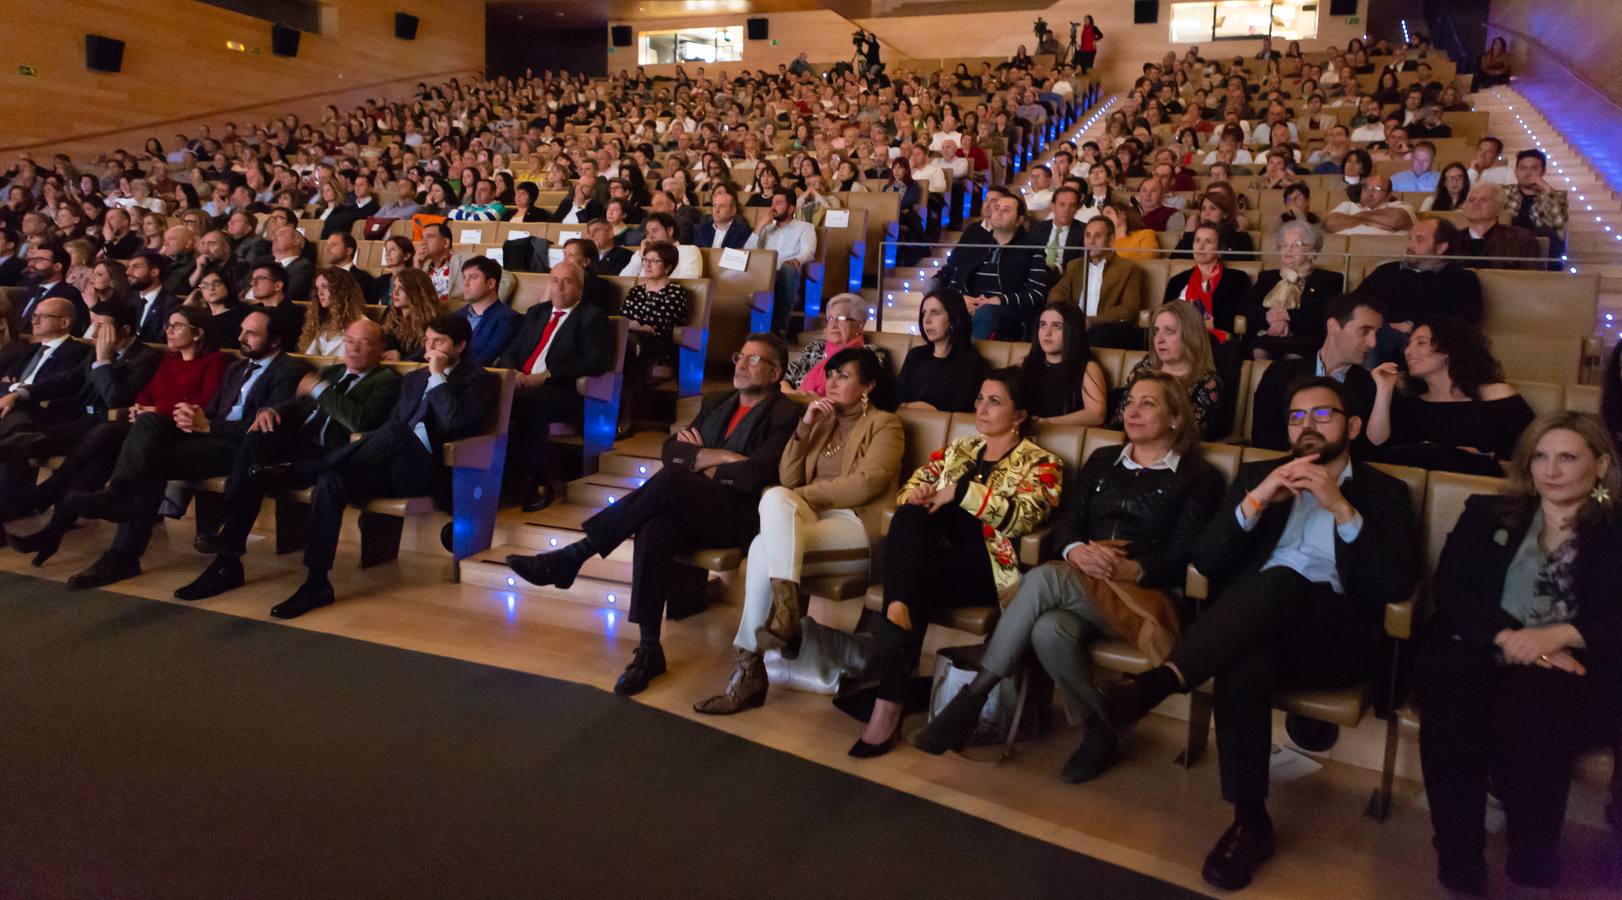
x=838 y=443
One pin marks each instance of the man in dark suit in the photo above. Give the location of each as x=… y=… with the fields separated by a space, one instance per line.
x=1308 y=550
x=360 y=205
x=447 y=400
x=118 y=242
x=287 y=246
x=196 y=442
x=706 y=495
x=1485 y=235
x=339 y=249
x=343 y=399
x=608 y=255
x=1062 y=237
x=47 y=267
x=1353 y=320
x=149 y=302
x=267 y=291
x=53 y=414
x=246 y=245
x=580 y=206
x=724 y=228
x=55 y=364
x=560 y=340
x=13 y=266
x=597 y=291
x=1423 y=285
x=1109 y=290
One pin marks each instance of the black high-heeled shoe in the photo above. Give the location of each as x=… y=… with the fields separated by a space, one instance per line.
x=43 y=544
x=863 y=750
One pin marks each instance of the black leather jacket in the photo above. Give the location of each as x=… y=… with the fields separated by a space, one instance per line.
x=1158 y=512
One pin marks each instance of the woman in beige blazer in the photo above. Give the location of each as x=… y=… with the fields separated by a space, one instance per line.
x=838 y=470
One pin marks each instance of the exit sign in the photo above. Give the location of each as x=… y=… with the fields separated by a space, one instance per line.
x=1354 y=20
x=775 y=42
x=28 y=71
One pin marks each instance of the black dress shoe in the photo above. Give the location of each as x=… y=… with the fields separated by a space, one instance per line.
x=43 y=544
x=274 y=476
x=646 y=665
x=539 y=498
x=224 y=574
x=303 y=600
x=211 y=545
x=1099 y=750
x=108 y=504
x=110 y=568
x=1237 y=855
x=549 y=569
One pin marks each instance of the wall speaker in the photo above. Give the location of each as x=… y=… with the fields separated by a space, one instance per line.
x=1145 y=12
x=622 y=35
x=283 y=40
x=103 y=54
x=405 y=26
x=759 y=29
x=1343 y=7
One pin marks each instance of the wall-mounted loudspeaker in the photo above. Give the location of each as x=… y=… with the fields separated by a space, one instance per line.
x=1145 y=12
x=622 y=35
x=1343 y=7
x=405 y=26
x=759 y=29
x=103 y=54
x=283 y=40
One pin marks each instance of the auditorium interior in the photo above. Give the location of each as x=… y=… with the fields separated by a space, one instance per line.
x=316 y=582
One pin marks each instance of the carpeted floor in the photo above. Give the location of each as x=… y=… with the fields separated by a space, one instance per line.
x=150 y=750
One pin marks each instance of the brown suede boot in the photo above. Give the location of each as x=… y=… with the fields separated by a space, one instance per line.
x=746 y=689
x=782 y=629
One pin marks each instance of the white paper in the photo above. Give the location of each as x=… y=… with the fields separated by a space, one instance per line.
x=1288 y=765
x=836 y=218
x=517 y=234
x=736 y=260
x=554 y=255
x=467 y=236
x=565 y=237
x=498 y=254
x=304 y=231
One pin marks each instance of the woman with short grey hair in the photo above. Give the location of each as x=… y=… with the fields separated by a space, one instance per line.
x=1285 y=309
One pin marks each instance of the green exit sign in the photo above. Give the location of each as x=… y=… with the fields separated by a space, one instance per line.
x=1354 y=20
x=28 y=71
x=775 y=42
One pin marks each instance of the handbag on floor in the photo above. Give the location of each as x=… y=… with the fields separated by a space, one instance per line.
x=827 y=657
x=1002 y=715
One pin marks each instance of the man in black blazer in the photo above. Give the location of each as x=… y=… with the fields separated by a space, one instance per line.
x=706 y=495
x=580 y=206
x=559 y=340
x=608 y=255
x=447 y=400
x=1308 y=551
x=47 y=271
x=55 y=355
x=361 y=205
x=287 y=246
x=53 y=414
x=12 y=265
x=1353 y=321
x=196 y=442
x=339 y=249
x=1003 y=278
x=147 y=298
x=343 y=399
x=1071 y=241
x=734 y=232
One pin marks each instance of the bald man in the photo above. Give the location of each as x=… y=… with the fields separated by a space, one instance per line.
x=180 y=254
x=1484 y=235
x=346 y=398
x=1373 y=212
x=287 y=248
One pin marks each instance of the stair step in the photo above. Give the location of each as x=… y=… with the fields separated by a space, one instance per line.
x=490 y=570
x=613 y=463
x=643 y=443
x=584 y=493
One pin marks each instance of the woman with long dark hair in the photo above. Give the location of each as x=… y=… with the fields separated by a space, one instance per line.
x=1066 y=382
x=944 y=372
x=1451 y=189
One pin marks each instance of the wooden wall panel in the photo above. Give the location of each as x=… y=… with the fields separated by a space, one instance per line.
x=1583 y=33
x=177 y=68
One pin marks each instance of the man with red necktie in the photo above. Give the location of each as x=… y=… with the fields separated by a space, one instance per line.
x=559 y=341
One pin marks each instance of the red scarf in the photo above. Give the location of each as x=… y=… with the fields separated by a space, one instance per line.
x=1200 y=291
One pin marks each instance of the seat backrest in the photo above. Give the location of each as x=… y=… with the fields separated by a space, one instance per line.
x=1224 y=458
x=1445 y=493
x=1156 y=272
x=1247 y=400
x=962 y=426
x=896 y=345
x=925 y=432
x=730 y=294
x=1256 y=454
x=531 y=289
x=1583 y=398
x=463 y=233
x=1001 y=354
x=1067 y=442
x=1414 y=479
x=1240 y=390
x=1110 y=359
x=1539 y=341
x=1099 y=438
x=1541 y=396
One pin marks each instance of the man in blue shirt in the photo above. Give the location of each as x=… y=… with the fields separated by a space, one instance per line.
x=1419 y=177
x=493 y=322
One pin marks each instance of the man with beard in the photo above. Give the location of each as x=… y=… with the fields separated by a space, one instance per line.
x=1307 y=550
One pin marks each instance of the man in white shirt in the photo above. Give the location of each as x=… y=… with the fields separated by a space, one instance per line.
x=953 y=161
x=926 y=170
x=661 y=228
x=1039 y=193
x=1484 y=166
x=948 y=132
x=796 y=244
x=1374 y=212
x=1372 y=132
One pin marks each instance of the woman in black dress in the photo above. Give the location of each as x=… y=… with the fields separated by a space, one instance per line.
x=944 y=372
x=1216 y=290
x=653 y=308
x=1459 y=416
x=1067 y=385
x=1525 y=638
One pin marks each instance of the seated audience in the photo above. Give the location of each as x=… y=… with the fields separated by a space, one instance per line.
x=660 y=228
x=844 y=318
x=1419 y=177
x=47 y=272
x=1484 y=165
x=1526 y=618
x=1451 y=190
x=952 y=541
x=1180 y=346
x=1352 y=321
x=413 y=305
x=1002 y=277
x=267 y=292
x=580 y=205
x=1217 y=291
x=1217 y=207
x=1285 y=308
x=338 y=304
x=399 y=254
x=557 y=342
x=479 y=204
x=1066 y=385
x=1061 y=234
x=1307 y=551
x=1494 y=68
x=328 y=408
x=707 y=494
x=837 y=471
x=1373 y=212
x=287 y=248
x=195 y=440
x=1157 y=215
x=1485 y=236
x=340 y=249
x=1125 y=535
x=1458 y=416
x=1107 y=288
x=725 y=228
x=1133 y=241
x=356 y=207
x=1535 y=205
x=654 y=308
x=1422 y=286
x=796 y=244
x=944 y=372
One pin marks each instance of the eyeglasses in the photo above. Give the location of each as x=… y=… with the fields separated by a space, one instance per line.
x=843 y=320
x=754 y=359
x=1320 y=414
x=45 y=315
x=173 y=327
x=210 y=283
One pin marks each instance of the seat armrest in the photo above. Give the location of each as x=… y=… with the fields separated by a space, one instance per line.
x=1241 y=325
x=1195 y=585
x=1399 y=617
x=477 y=452
x=687 y=337
x=596 y=387
x=1035 y=548
x=885 y=518
x=761 y=301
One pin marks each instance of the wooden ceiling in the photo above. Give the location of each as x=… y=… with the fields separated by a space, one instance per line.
x=596 y=13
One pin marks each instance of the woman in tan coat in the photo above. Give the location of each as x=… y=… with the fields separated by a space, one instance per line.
x=838 y=469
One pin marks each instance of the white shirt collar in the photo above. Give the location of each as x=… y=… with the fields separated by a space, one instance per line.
x=1167 y=462
x=54 y=343
x=149 y=296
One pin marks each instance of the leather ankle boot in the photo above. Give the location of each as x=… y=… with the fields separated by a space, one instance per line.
x=782 y=629
x=746 y=689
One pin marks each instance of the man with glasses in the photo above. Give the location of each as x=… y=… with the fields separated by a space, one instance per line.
x=55 y=356
x=706 y=495
x=47 y=268
x=1307 y=551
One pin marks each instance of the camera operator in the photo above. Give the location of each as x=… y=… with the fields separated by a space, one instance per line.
x=867 y=49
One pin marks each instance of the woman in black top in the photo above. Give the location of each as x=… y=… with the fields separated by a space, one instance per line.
x=1217 y=207
x=944 y=372
x=1460 y=416
x=1067 y=384
x=1610 y=404
x=1123 y=541
x=1285 y=307
x=1524 y=640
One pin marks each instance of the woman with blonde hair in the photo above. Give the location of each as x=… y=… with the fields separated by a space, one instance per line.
x=1181 y=347
x=412 y=305
x=339 y=303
